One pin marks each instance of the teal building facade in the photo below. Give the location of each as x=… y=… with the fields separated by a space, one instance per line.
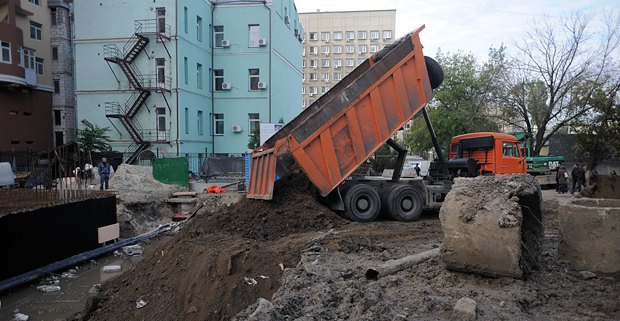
x=174 y=77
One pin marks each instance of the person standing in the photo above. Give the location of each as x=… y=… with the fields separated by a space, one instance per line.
x=581 y=178
x=417 y=169
x=562 y=180
x=574 y=173
x=104 y=173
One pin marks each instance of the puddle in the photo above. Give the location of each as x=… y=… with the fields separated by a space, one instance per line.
x=74 y=287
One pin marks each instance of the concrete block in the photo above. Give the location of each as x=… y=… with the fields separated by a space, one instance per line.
x=590 y=233
x=108 y=233
x=492 y=225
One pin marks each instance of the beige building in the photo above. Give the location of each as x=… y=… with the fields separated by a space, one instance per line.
x=337 y=42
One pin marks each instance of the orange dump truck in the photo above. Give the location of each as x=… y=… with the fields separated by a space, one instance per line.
x=331 y=138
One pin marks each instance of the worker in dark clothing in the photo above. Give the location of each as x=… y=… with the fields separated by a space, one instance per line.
x=582 y=177
x=104 y=173
x=417 y=169
x=562 y=180
x=574 y=173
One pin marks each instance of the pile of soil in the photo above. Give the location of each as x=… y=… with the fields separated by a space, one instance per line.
x=221 y=262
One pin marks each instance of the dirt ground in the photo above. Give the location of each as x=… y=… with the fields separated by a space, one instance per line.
x=309 y=264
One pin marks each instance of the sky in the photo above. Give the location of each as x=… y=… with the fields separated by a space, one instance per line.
x=471 y=26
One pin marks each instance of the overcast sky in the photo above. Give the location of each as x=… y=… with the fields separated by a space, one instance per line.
x=470 y=26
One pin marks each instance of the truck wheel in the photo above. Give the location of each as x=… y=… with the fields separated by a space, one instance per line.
x=362 y=203
x=404 y=203
x=435 y=73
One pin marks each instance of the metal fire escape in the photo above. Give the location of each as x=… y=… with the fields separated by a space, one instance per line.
x=142 y=85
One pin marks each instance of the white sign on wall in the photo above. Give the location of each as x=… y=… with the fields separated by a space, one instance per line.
x=267 y=130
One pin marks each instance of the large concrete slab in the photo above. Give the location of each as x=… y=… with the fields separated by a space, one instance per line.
x=492 y=225
x=590 y=233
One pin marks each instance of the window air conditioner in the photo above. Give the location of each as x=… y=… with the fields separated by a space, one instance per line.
x=225 y=43
x=226 y=86
x=262 y=85
x=237 y=128
x=262 y=42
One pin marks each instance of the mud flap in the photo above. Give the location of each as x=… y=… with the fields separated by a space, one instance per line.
x=334 y=200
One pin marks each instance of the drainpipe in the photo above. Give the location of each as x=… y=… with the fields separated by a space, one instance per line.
x=212 y=84
x=270 y=54
x=176 y=45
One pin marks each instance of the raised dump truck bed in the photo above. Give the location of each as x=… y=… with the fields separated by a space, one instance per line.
x=332 y=137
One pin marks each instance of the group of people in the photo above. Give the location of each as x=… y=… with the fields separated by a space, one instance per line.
x=577 y=174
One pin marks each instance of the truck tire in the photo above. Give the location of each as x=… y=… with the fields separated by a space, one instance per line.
x=435 y=73
x=404 y=203
x=362 y=203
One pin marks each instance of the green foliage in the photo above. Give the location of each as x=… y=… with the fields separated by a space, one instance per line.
x=254 y=140
x=462 y=104
x=598 y=134
x=93 y=138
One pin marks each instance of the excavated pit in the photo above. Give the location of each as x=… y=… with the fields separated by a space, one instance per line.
x=492 y=225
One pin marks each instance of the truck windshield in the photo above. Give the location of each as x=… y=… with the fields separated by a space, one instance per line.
x=510 y=149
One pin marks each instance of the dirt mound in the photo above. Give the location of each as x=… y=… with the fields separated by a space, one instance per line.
x=221 y=262
x=137 y=178
x=294 y=209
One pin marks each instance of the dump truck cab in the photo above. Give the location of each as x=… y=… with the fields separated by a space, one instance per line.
x=493 y=153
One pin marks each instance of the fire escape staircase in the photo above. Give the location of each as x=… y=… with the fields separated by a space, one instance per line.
x=142 y=85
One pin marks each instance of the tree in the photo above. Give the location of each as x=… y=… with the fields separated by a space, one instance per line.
x=464 y=102
x=254 y=139
x=598 y=134
x=554 y=72
x=93 y=138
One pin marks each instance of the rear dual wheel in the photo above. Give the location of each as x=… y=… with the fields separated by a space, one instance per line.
x=403 y=203
x=362 y=203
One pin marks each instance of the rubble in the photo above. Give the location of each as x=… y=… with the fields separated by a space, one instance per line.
x=465 y=310
x=492 y=225
x=48 y=288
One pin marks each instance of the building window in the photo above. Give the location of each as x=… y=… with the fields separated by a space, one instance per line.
x=338 y=49
x=325 y=36
x=325 y=76
x=53 y=16
x=303 y=63
x=313 y=90
x=218 y=79
x=199 y=76
x=314 y=50
x=325 y=50
x=349 y=62
x=218 y=36
x=360 y=61
x=303 y=51
x=337 y=76
x=218 y=124
x=37 y=2
x=254 y=79
x=186 y=120
x=374 y=35
x=314 y=76
x=199 y=119
x=387 y=34
x=303 y=90
x=314 y=36
x=337 y=63
x=253 y=36
x=374 y=48
x=29 y=58
x=254 y=124
x=58 y=138
x=186 y=70
x=324 y=89
x=56 y=86
x=161 y=19
x=199 y=28
x=350 y=35
x=185 y=20
x=337 y=35
x=6 y=52
x=350 y=49
x=55 y=53
x=361 y=48
x=313 y=63
x=325 y=63
x=39 y=64
x=361 y=35
x=35 y=30
x=57 y=117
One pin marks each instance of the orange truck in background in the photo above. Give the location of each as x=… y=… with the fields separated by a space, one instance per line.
x=331 y=138
x=494 y=153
